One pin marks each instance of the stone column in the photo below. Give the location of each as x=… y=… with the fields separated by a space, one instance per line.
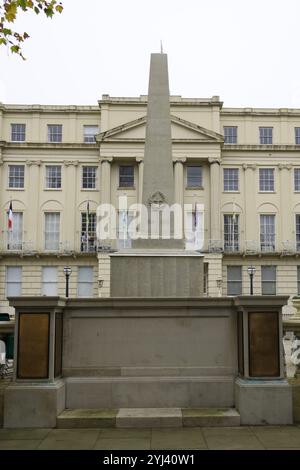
x=33 y=215
x=140 y=162
x=285 y=202
x=251 y=242
x=215 y=230
x=105 y=180
x=179 y=183
x=69 y=233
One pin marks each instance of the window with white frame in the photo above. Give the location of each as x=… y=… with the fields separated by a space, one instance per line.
x=88 y=232
x=194 y=176
x=266 y=180
x=13 y=281
x=15 y=236
x=231 y=232
x=89 y=133
x=85 y=281
x=89 y=174
x=126 y=176
x=16 y=176
x=53 y=177
x=297 y=135
x=298 y=279
x=54 y=132
x=52 y=229
x=266 y=135
x=230 y=134
x=267 y=232
x=231 y=179
x=49 y=280
x=268 y=280
x=297 y=179
x=234 y=280
x=298 y=232
x=18 y=132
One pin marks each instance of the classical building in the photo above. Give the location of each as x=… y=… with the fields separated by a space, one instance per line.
x=239 y=169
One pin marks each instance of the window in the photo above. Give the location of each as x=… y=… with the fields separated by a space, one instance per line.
x=85 y=281
x=16 y=176
x=268 y=280
x=298 y=232
x=88 y=233
x=54 y=132
x=230 y=134
x=231 y=232
x=89 y=177
x=53 y=177
x=49 y=280
x=193 y=228
x=89 y=133
x=266 y=179
x=297 y=179
x=124 y=234
x=126 y=176
x=298 y=279
x=234 y=280
x=267 y=232
x=194 y=176
x=231 y=179
x=15 y=236
x=297 y=135
x=266 y=135
x=18 y=132
x=52 y=225
x=13 y=281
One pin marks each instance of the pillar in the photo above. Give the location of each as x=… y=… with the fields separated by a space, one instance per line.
x=105 y=180
x=30 y=219
x=251 y=242
x=140 y=179
x=285 y=202
x=215 y=232
x=179 y=183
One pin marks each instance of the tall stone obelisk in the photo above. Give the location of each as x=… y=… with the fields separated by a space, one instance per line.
x=157 y=266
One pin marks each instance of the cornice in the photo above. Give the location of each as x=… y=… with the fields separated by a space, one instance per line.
x=261 y=148
x=48 y=145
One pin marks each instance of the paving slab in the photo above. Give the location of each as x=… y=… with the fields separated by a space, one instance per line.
x=278 y=436
x=149 y=417
x=184 y=438
x=121 y=433
x=23 y=434
x=17 y=444
x=70 y=439
x=239 y=438
x=122 y=444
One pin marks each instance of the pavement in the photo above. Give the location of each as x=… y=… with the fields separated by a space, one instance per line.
x=204 y=438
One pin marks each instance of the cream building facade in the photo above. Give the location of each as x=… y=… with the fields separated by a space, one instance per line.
x=239 y=167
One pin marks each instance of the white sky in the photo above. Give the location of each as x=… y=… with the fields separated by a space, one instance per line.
x=246 y=51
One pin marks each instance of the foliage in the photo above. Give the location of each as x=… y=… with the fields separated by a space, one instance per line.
x=9 y=10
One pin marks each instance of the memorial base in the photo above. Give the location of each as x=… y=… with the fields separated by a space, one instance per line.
x=262 y=402
x=33 y=405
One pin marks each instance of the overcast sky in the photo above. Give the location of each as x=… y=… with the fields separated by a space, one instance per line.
x=245 y=51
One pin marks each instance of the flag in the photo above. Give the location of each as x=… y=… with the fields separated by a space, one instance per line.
x=10 y=217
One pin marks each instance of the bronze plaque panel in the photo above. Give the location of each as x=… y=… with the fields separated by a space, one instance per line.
x=240 y=343
x=33 y=347
x=263 y=345
x=58 y=345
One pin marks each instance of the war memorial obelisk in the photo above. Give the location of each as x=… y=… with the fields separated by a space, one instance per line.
x=158 y=266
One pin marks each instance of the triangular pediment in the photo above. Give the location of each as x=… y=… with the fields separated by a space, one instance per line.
x=181 y=129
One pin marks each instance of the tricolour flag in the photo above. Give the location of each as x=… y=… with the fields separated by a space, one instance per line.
x=10 y=216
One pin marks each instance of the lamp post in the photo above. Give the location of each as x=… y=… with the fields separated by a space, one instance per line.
x=67 y=271
x=251 y=271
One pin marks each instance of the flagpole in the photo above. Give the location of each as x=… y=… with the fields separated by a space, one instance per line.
x=87 y=225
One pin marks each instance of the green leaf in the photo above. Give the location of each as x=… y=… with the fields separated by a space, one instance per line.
x=15 y=49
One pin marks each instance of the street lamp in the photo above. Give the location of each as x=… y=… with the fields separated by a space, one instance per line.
x=251 y=271
x=67 y=271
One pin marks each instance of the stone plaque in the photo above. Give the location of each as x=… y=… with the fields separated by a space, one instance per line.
x=33 y=346
x=263 y=345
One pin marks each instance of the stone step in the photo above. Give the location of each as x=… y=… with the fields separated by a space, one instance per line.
x=148 y=418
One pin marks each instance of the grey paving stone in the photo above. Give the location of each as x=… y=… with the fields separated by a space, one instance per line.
x=180 y=438
x=122 y=444
x=278 y=436
x=17 y=444
x=24 y=434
